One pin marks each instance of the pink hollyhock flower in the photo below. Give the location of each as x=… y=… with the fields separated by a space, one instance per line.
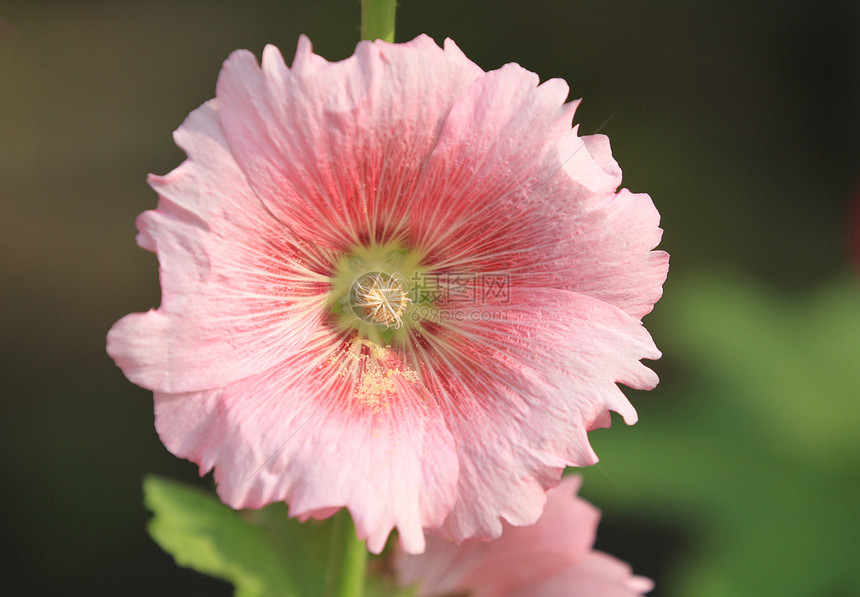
x=395 y=283
x=553 y=558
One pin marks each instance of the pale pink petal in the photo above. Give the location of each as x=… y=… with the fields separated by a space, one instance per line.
x=340 y=167
x=607 y=252
x=552 y=558
x=523 y=195
x=522 y=381
x=238 y=295
x=597 y=575
x=604 y=245
x=321 y=442
x=494 y=151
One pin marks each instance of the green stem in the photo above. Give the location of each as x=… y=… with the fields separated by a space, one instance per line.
x=377 y=19
x=347 y=559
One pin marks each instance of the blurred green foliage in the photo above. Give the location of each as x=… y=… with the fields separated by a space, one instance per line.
x=753 y=448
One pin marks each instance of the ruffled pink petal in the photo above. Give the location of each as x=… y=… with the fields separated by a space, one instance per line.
x=605 y=246
x=607 y=252
x=341 y=167
x=521 y=380
x=510 y=188
x=597 y=575
x=321 y=440
x=239 y=296
x=552 y=558
x=563 y=535
x=491 y=157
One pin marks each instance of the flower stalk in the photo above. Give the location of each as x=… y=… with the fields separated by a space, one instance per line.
x=377 y=19
x=347 y=560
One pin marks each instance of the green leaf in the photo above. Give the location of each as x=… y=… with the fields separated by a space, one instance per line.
x=262 y=553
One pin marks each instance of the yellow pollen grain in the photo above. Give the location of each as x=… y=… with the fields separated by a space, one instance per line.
x=376 y=381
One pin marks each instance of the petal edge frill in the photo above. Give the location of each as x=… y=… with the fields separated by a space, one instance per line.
x=341 y=168
x=552 y=558
x=318 y=449
x=239 y=294
x=533 y=374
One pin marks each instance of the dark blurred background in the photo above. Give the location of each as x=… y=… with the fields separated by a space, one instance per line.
x=741 y=119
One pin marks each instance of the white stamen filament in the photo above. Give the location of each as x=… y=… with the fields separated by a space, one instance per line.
x=383 y=298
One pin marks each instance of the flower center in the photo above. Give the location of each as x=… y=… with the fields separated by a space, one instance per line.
x=377 y=297
x=374 y=292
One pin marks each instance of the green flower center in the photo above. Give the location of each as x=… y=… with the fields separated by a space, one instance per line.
x=375 y=291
